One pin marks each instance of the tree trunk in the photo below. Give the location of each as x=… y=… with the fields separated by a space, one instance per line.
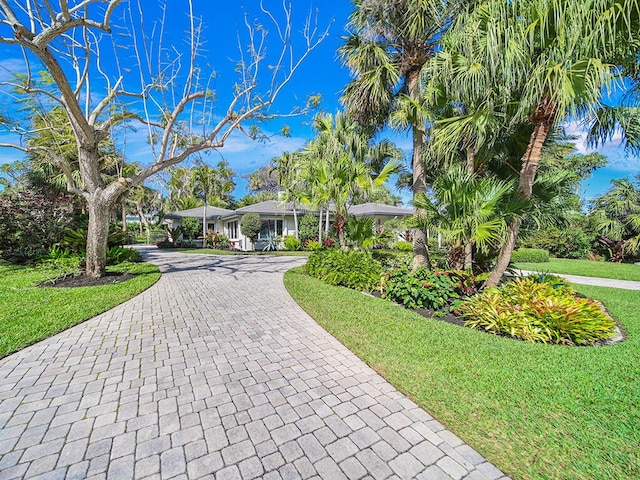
x=320 y=226
x=204 y=225
x=326 y=223
x=123 y=214
x=143 y=219
x=295 y=222
x=468 y=248
x=543 y=119
x=420 y=246
x=97 y=235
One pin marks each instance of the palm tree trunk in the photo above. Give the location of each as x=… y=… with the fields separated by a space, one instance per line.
x=543 y=119
x=468 y=248
x=420 y=246
x=295 y=222
x=326 y=224
x=320 y=226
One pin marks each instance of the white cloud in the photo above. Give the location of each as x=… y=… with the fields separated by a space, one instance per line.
x=618 y=159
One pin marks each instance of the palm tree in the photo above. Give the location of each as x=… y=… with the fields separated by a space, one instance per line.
x=617 y=214
x=389 y=44
x=287 y=169
x=467 y=209
x=337 y=165
x=553 y=62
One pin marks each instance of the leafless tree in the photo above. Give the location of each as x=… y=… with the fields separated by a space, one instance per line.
x=109 y=67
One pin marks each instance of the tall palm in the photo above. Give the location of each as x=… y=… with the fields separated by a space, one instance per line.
x=388 y=46
x=338 y=165
x=288 y=170
x=467 y=210
x=554 y=61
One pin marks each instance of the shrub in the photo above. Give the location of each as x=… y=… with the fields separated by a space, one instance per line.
x=572 y=242
x=76 y=239
x=404 y=246
x=538 y=312
x=117 y=255
x=530 y=255
x=308 y=228
x=218 y=241
x=250 y=226
x=31 y=221
x=191 y=227
x=422 y=288
x=313 y=245
x=292 y=244
x=349 y=268
x=392 y=258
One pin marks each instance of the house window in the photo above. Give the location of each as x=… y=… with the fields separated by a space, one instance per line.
x=270 y=228
x=232 y=229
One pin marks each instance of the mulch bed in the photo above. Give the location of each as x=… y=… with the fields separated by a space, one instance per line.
x=81 y=280
x=428 y=313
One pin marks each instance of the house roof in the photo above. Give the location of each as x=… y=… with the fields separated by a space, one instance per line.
x=273 y=207
x=268 y=207
x=212 y=213
x=370 y=209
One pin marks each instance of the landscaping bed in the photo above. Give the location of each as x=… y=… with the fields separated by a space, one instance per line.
x=536 y=411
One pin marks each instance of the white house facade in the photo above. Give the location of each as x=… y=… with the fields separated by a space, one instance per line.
x=277 y=220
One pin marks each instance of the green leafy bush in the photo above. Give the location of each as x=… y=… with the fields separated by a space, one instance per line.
x=191 y=227
x=349 y=268
x=404 y=246
x=218 y=241
x=292 y=244
x=308 y=228
x=31 y=221
x=538 y=312
x=422 y=288
x=250 y=224
x=117 y=255
x=571 y=242
x=76 y=239
x=392 y=258
x=530 y=255
x=313 y=245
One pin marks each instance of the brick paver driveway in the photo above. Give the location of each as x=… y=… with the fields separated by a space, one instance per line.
x=214 y=372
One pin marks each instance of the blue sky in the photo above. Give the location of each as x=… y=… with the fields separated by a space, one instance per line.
x=321 y=73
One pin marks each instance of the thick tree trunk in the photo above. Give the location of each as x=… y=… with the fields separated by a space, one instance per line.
x=97 y=235
x=420 y=246
x=543 y=119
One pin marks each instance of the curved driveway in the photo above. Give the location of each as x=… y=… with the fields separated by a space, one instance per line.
x=214 y=372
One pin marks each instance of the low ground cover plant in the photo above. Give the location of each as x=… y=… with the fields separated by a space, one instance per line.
x=539 y=311
x=349 y=268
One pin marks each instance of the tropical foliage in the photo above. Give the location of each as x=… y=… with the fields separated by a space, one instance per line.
x=349 y=268
x=539 y=311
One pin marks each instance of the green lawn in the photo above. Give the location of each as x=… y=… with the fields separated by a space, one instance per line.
x=587 y=268
x=30 y=313
x=211 y=251
x=536 y=411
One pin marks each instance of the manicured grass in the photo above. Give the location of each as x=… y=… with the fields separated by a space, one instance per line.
x=536 y=411
x=211 y=251
x=587 y=268
x=30 y=313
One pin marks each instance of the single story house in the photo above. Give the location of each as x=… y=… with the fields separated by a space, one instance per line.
x=277 y=219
